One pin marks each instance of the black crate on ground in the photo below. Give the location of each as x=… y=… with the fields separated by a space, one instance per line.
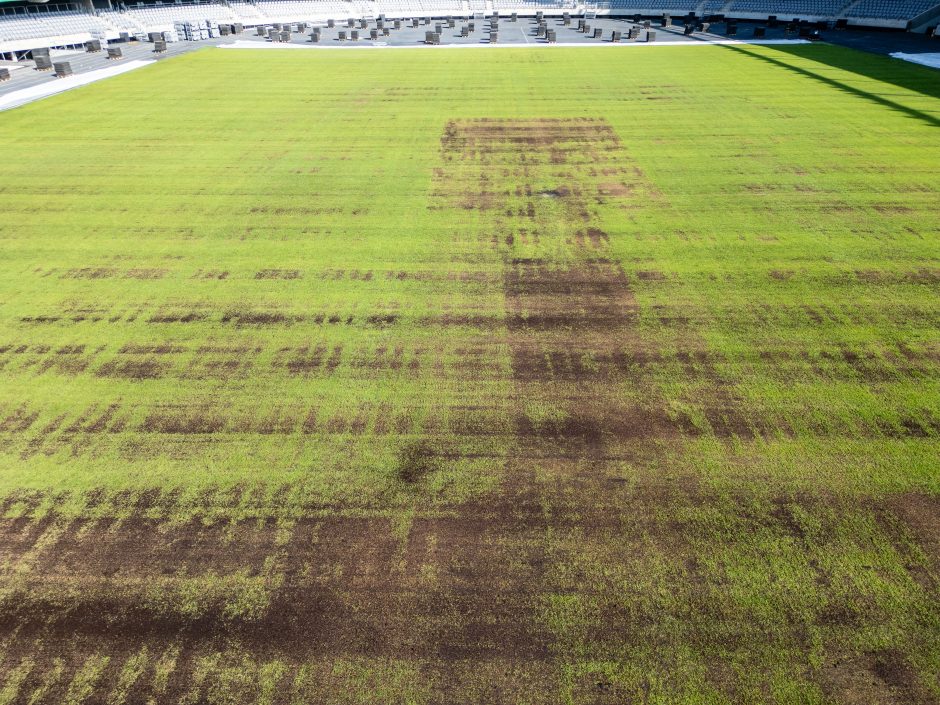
x=159 y=46
x=385 y=32
x=331 y=23
x=4 y=74
x=647 y=24
x=451 y=23
x=634 y=33
x=772 y=21
x=428 y=37
x=42 y=51
x=62 y=69
x=540 y=32
x=427 y=21
x=285 y=37
x=224 y=30
x=379 y=24
x=93 y=46
x=597 y=32
x=580 y=25
x=586 y=29
x=688 y=30
x=464 y=31
x=363 y=24
x=414 y=22
x=43 y=63
x=437 y=28
x=373 y=34
x=550 y=36
x=494 y=37
x=650 y=35
x=301 y=27
x=238 y=28
x=471 y=26
x=261 y=31
x=397 y=24
x=314 y=37
x=354 y=35
x=125 y=36
x=539 y=15
x=666 y=21
x=760 y=32
x=615 y=36
x=115 y=53
x=350 y=22
x=514 y=17
x=341 y=37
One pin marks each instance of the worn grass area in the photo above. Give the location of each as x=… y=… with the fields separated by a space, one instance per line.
x=510 y=376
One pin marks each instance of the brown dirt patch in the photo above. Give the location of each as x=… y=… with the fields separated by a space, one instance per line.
x=278 y=274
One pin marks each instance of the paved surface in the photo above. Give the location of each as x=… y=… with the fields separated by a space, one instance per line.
x=521 y=32
x=25 y=76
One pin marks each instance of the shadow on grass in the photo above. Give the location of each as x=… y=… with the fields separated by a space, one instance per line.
x=877 y=68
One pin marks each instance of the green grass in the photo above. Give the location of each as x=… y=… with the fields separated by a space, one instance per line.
x=266 y=434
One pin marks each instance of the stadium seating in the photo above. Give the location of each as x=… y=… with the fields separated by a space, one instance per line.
x=788 y=8
x=712 y=7
x=49 y=24
x=154 y=16
x=890 y=9
x=679 y=7
x=293 y=10
x=138 y=18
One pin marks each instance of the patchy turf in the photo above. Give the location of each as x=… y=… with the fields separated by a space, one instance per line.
x=535 y=376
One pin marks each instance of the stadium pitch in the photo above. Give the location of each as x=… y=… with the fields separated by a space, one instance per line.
x=545 y=376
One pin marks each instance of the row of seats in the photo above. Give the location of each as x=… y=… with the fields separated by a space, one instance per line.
x=891 y=9
x=49 y=24
x=166 y=15
x=680 y=6
x=285 y=10
x=530 y=4
x=713 y=7
x=136 y=19
x=786 y=8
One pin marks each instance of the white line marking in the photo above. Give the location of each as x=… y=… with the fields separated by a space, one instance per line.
x=14 y=99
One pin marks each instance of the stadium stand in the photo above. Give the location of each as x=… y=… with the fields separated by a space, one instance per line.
x=786 y=8
x=673 y=6
x=62 y=25
x=154 y=16
x=49 y=24
x=890 y=9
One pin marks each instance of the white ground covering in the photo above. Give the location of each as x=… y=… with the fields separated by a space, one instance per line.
x=246 y=44
x=28 y=95
x=932 y=60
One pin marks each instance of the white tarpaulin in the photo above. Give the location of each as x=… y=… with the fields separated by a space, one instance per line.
x=932 y=60
x=28 y=95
